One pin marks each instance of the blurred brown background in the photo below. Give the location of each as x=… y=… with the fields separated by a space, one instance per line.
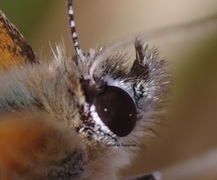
x=190 y=129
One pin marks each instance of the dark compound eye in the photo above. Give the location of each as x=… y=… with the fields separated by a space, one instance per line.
x=117 y=110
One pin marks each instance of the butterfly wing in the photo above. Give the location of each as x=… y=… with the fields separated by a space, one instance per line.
x=14 y=49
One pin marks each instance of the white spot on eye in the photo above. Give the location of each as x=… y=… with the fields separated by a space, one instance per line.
x=130 y=115
x=105 y=109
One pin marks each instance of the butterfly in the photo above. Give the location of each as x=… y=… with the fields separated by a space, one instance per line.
x=77 y=117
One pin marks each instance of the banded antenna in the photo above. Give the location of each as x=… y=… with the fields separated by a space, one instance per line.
x=73 y=29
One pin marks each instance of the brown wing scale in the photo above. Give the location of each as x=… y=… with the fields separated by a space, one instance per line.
x=14 y=49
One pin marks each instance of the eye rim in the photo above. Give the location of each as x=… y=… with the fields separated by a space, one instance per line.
x=93 y=91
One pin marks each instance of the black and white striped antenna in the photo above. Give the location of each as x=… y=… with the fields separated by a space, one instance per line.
x=73 y=28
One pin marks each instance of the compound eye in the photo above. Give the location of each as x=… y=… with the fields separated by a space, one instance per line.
x=117 y=110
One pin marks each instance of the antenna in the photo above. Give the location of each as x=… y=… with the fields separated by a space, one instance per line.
x=73 y=29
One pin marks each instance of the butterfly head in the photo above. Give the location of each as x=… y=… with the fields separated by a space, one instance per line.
x=118 y=91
